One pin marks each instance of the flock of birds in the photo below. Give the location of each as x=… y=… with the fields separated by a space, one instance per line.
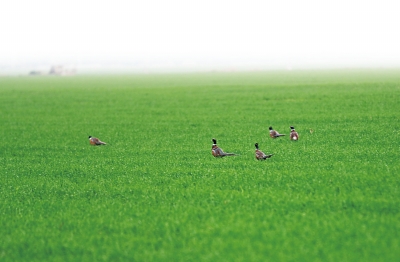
x=218 y=152
x=260 y=155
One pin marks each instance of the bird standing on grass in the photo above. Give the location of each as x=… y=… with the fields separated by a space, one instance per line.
x=218 y=152
x=260 y=155
x=293 y=134
x=95 y=141
x=273 y=133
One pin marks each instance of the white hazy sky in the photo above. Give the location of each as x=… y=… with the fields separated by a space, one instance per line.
x=205 y=33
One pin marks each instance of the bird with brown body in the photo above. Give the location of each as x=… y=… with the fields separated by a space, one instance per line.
x=273 y=133
x=218 y=152
x=293 y=134
x=95 y=141
x=260 y=155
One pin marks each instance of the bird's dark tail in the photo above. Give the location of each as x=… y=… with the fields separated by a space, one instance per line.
x=230 y=154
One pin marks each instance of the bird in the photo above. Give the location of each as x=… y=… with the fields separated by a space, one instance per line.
x=293 y=134
x=218 y=152
x=260 y=155
x=95 y=141
x=273 y=133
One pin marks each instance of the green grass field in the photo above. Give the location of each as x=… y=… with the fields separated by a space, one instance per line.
x=155 y=192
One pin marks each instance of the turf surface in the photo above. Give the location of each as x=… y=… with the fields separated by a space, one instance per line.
x=155 y=192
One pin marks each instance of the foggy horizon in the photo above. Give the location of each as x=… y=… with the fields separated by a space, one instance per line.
x=182 y=35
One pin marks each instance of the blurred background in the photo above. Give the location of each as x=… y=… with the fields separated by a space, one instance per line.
x=75 y=36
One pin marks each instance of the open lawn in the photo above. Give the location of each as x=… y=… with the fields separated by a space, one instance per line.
x=155 y=192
